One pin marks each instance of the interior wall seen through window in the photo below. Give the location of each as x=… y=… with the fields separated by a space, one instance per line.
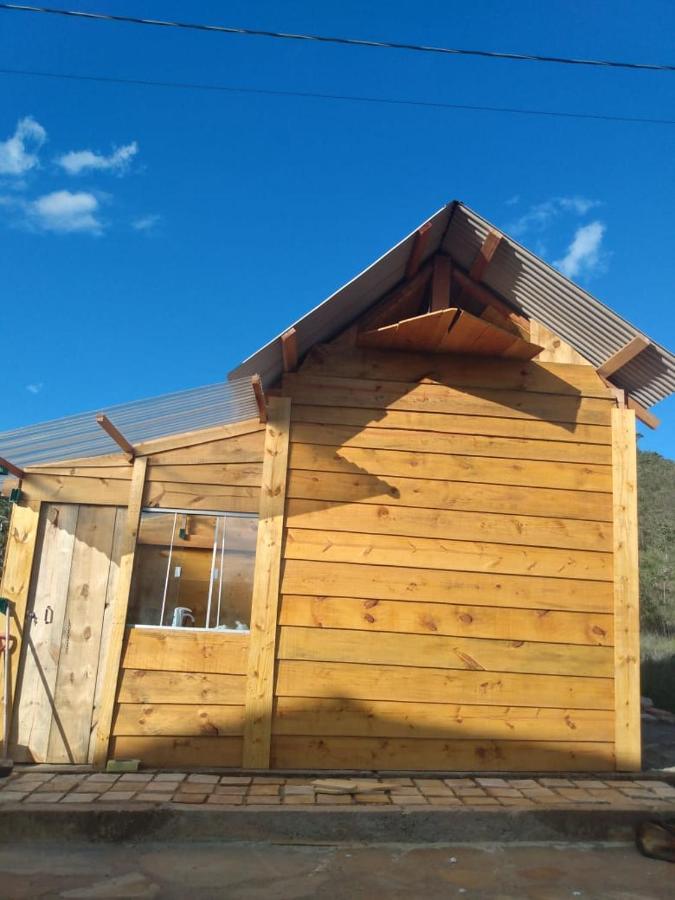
x=194 y=570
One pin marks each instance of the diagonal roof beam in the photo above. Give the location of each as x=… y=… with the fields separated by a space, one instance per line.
x=260 y=399
x=623 y=356
x=485 y=296
x=11 y=468
x=289 y=350
x=419 y=248
x=116 y=435
x=484 y=256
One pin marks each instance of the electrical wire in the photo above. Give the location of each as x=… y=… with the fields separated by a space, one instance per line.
x=354 y=98
x=325 y=39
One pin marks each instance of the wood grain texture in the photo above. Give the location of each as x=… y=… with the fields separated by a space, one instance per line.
x=66 y=489
x=118 y=613
x=230 y=474
x=178 y=719
x=457 y=371
x=441 y=652
x=441 y=755
x=429 y=586
x=433 y=398
x=247 y=448
x=260 y=676
x=626 y=593
x=535 y=531
x=381 y=718
x=16 y=584
x=175 y=650
x=78 y=658
x=449 y=495
x=457 y=556
x=198 y=437
x=106 y=626
x=191 y=688
x=552 y=626
x=447 y=466
x=42 y=639
x=171 y=752
x=354 y=681
x=449 y=423
x=463 y=445
x=181 y=495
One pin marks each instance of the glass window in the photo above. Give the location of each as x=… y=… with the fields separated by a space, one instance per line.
x=194 y=570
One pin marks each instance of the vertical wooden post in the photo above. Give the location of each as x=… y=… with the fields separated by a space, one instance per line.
x=626 y=593
x=266 y=583
x=118 y=616
x=16 y=580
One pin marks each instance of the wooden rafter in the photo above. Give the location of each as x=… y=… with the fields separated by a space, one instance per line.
x=289 y=350
x=418 y=250
x=11 y=468
x=440 y=283
x=488 y=298
x=649 y=419
x=116 y=435
x=623 y=356
x=260 y=398
x=401 y=303
x=488 y=249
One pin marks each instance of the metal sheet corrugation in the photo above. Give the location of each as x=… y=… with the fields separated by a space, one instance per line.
x=80 y=435
x=542 y=293
x=334 y=314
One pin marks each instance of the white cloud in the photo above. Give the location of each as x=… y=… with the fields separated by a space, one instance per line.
x=146 y=223
x=18 y=154
x=540 y=215
x=34 y=388
x=77 y=161
x=583 y=253
x=64 y=211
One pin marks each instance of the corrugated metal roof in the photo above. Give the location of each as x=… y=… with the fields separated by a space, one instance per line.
x=518 y=276
x=80 y=436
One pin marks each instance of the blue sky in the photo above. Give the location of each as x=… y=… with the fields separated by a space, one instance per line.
x=150 y=239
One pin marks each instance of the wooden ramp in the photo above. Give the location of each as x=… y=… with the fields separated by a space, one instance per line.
x=449 y=331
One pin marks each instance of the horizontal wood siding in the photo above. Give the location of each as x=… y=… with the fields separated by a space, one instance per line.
x=180 y=698
x=447 y=594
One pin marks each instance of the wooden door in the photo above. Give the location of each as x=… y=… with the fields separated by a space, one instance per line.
x=66 y=627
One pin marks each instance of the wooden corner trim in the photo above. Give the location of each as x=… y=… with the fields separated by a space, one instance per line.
x=626 y=593
x=119 y=613
x=266 y=586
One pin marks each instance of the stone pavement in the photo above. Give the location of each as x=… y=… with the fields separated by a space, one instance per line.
x=174 y=870
x=66 y=789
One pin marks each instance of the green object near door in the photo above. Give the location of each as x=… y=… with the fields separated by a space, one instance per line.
x=4 y=605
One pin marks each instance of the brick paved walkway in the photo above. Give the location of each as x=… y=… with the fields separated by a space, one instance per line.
x=28 y=786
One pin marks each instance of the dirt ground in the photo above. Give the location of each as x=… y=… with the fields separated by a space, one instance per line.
x=386 y=872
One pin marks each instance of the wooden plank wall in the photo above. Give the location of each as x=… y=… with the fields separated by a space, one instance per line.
x=219 y=471
x=447 y=596
x=181 y=697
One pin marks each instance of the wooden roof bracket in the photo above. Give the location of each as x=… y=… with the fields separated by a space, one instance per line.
x=616 y=362
x=484 y=256
x=127 y=448
x=289 y=350
x=260 y=399
x=623 y=356
x=485 y=296
x=649 y=419
x=11 y=468
x=418 y=250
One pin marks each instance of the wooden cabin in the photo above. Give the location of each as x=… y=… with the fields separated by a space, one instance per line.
x=416 y=551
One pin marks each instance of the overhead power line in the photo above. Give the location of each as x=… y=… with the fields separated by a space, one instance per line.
x=354 y=98
x=326 y=39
